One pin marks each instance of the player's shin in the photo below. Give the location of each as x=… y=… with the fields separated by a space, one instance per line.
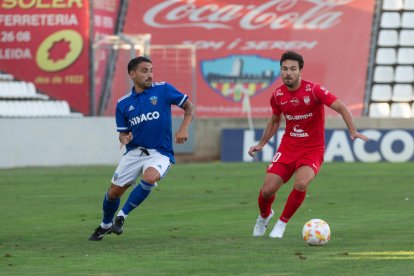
x=137 y=196
x=265 y=204
x=293 y=202
x=109 y=208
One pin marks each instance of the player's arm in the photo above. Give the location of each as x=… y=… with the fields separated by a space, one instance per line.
x=343 y=110
x=270 y=130
x=189 y=111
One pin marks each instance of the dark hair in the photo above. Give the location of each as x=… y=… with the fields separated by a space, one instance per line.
x=133 y=63
x=292 y=56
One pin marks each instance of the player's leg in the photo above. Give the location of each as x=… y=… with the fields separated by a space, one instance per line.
x=277 y=174
x=271 y=185
x=155 y=167
x=304 y=175
x=125 y=174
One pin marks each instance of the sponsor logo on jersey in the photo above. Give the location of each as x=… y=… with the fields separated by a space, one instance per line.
x=294 y=101
x=298 y=132
x=144 y=117
x=154 y=100
x=131 y=108
x=298 y=117
x=308 y=88
x=279 y=92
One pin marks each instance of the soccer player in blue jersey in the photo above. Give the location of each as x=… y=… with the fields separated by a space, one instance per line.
x=143 y=119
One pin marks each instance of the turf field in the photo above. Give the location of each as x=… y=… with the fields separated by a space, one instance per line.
x=199 y=221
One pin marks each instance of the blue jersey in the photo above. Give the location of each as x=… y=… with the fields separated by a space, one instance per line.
x=148 y=116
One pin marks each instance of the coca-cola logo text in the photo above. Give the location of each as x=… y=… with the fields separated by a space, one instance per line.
x=274 y=14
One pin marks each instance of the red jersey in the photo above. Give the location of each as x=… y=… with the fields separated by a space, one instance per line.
x=304 y=112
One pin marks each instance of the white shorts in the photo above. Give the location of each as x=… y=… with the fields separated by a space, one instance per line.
x=135 y=162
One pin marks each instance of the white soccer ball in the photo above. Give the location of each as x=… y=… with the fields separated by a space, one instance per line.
x=316 y=232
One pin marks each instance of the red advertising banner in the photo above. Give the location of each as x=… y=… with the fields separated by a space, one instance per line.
x=47 y=42
x=239 y=44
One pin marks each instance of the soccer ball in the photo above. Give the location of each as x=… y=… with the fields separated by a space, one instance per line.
x=316 y=232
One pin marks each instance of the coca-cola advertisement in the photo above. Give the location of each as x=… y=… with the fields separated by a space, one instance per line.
x=239 y=44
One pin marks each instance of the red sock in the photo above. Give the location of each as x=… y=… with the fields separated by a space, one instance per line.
x=293 y=202
x=265 y=205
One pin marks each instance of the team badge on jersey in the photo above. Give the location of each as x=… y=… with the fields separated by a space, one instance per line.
x=154 y=100
x=306 y=100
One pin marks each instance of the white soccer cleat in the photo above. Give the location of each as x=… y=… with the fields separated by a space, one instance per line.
x=278 y=230
x=261 y=223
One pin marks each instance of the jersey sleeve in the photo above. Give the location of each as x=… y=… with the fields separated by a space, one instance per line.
x=175 y=96
x=323 y=95
x=275 y=108
x=121 y=119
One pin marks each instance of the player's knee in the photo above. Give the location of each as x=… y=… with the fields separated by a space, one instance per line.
x=115 y=192
x=267 y=193
x=151 y=176
x=301 y=185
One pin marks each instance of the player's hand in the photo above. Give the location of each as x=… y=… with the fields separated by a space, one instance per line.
x=254 y=149
x=181 y=136
x=125 y=138
x=360 y=136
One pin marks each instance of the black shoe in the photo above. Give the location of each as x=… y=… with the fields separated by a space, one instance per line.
x=99 y=233
x=117 y=226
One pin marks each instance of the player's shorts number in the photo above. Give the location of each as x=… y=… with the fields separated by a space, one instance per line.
x=277 y=156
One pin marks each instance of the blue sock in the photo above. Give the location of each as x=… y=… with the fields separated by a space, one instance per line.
x=109 y=208
x=137 y=196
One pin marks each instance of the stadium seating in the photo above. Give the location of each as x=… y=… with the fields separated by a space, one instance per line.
x=390 y=20
x=404 y=74
x=386 y=56
x=19 y=99
x=392 y=5
x=384 y=74
x=381 y=93
x=393 y=72
x=402 y=93
x=379 y=110
x=388 y=38
x=400 y=110
x=406 y=38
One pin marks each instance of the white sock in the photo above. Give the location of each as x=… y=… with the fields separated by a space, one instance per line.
x=106 y=225
x=121 y=213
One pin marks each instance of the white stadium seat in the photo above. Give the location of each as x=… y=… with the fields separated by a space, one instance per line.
x=392 y=5
x=379 y=110
x=408 y=5
x=381 y=92
x=400 y=110
x=406 y=38
x=388 y=38
x=402 y=93
x=406 y=55
x=384 y=74
x=407 y=20
x=390 y=20
x=404 y=74
x=386 y=56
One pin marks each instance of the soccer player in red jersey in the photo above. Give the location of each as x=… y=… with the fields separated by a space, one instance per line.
x=302 y=147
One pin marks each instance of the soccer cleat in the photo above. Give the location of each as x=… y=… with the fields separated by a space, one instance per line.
x=99 y=232
x=278 y=230
x=261 y=224
x=117 y=227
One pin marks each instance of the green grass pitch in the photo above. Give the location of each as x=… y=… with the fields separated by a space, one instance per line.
x=199 y=221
